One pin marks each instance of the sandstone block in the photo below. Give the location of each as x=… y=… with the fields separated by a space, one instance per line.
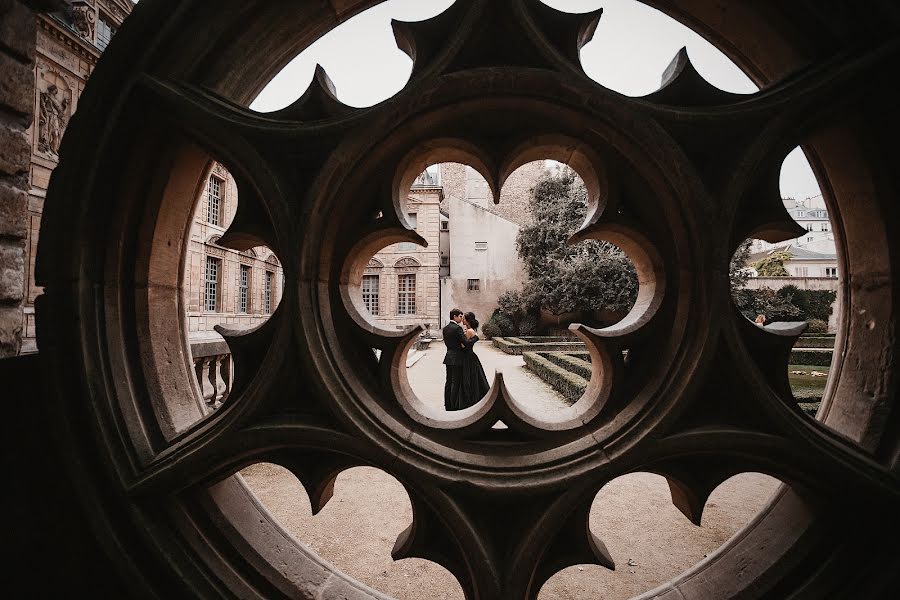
x=10 y=331
x=13 y=211
x=18 y=29
x=17 y=84
x=15 y=153
x=12 y=272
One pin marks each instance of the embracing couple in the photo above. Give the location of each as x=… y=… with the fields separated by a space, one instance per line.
x=466 y=382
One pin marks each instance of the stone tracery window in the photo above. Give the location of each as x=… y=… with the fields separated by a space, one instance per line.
x=660 y=408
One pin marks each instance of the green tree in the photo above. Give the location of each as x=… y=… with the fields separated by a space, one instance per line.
x=773 y=264
x=591 y=275
x=737 y=269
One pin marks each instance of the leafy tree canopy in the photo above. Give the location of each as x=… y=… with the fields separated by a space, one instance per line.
x=773 y=264
x=590 y=275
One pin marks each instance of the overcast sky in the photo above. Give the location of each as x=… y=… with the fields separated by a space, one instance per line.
x=632 y=46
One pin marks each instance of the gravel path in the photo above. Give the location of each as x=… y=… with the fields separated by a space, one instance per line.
x=633 y=514
x=427 y=378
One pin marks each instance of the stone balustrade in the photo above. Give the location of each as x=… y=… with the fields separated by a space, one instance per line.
x=213 y=369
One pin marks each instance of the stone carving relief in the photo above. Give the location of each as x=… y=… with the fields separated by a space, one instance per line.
x=84 y=19
x=374 y=263
x=407 y=261
x=55 y=99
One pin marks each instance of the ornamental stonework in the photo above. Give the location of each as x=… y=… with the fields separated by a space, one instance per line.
x=407 y=262
x=84 y=18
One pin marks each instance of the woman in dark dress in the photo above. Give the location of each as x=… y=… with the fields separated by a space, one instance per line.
x=474 y=382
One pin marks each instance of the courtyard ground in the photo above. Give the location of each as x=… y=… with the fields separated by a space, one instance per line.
x=650 y=540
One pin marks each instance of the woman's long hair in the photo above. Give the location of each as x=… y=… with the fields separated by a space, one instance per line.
x=471 y=320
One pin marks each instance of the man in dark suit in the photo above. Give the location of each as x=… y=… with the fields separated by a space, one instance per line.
x=454 y=339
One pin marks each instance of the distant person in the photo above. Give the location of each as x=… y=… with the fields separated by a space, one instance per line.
x=455 y=341
x=474 y=382
x=761 y=320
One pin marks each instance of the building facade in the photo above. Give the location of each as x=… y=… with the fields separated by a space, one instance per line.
x=471 y=257
x=238 y=290
x=400 y=285
x=814 y=253
x=68 y=45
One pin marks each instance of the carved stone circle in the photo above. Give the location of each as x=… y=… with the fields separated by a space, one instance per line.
x=676 y=179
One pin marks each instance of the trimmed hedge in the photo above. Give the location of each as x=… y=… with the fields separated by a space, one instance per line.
x=570 y=385
x=811 y=356
x=512 y=345
x=815 y=341
x=569 y=363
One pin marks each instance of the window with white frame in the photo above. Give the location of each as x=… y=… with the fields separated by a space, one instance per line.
x=414 y=219
x=370 y=293
x=802 y=271
x=445 y=225
x=244 y=289
x=214 y=204
x=406 y=294
x=830 y=271
x=406 y=247
x=105 y=32
x=267 y=292
x=474 y=285
x=213 y=273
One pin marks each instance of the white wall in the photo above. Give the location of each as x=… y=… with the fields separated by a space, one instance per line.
x=497 y=268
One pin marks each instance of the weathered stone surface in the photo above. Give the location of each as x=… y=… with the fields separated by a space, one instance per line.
x=12 y=271
x=17 y=29
x=13 y=211
x=16 y=84
x=15 y=152
x=10 y=331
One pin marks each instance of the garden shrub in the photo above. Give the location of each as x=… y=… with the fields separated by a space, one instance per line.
x=491 y=330
x=817 y=326
x=570 y=385
x=569 y=363
x=503 y=323
x=818 y=358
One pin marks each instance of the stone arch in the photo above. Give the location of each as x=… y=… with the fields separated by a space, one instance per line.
x=120 y=368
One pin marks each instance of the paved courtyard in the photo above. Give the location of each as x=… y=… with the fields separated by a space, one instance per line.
x=649 y=539
x=427 y=378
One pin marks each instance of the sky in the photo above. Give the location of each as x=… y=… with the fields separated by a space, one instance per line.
x=631 y=48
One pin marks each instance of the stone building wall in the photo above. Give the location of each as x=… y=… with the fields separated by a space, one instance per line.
x=202 y=244
x=66 y=46
x=408 y=259
x=484 y=263
x=462 y=181
x=17 y=54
